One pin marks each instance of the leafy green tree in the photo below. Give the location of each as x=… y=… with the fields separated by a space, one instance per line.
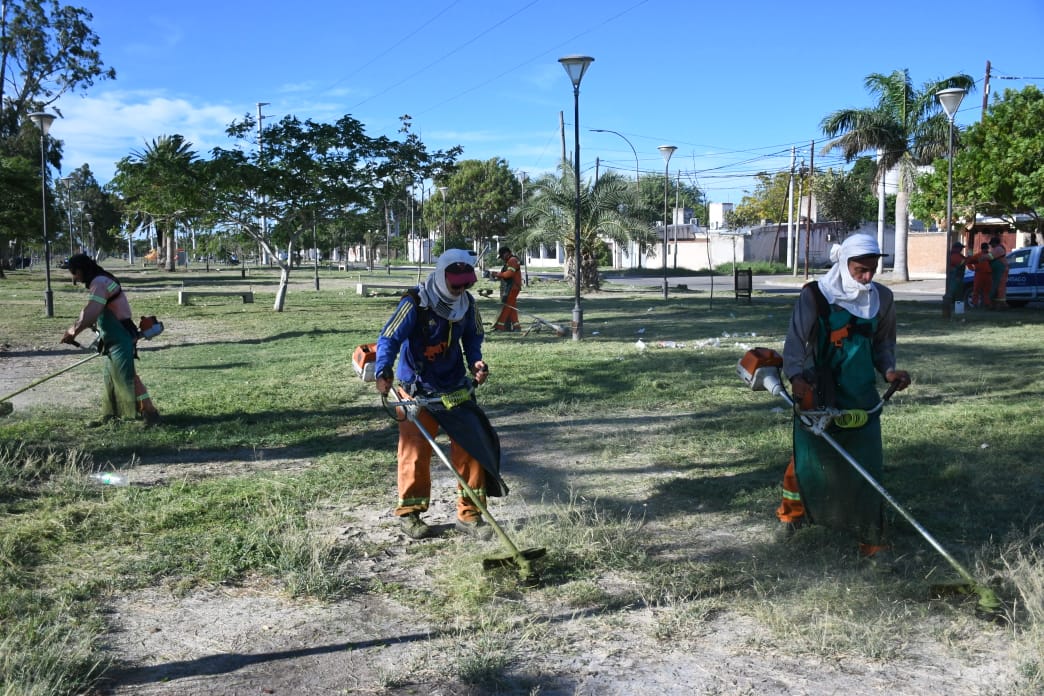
x=847 y=197
x=551 y=213
x=651 y=194
x=767 y=202
x=998 y=167
x=20 y=182
x=308 y=173
x=80 y=201
x=46 y=50
x=162 y=186
x=908 y=128
x=480 y=196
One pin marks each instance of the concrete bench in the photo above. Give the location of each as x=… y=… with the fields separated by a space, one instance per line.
x=367 y=288
x=184 y=295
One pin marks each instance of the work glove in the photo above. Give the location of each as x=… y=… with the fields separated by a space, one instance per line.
x=900 y=376
x=481 y=371
x=383 y=382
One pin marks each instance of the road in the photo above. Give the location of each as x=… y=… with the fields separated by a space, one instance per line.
x=922 y=289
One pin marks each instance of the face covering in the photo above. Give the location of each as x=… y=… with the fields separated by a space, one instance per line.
x=435 y=293
x=840 y=288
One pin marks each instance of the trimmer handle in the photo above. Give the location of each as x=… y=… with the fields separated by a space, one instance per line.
x=892 y=388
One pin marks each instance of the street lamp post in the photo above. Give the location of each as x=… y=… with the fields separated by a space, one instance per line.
x=66 y=183
x=79 y=223
x=637 y=175
x=666 y=151
x=950 y=100
x=575 y=67
x=43 y=121
x=90 y=225
x=525 y=250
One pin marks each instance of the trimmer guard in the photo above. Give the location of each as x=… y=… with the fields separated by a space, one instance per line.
x=468 y=426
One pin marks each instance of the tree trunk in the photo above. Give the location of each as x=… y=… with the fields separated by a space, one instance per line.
x=284 y=282
x=172 y=251
x=900 y=269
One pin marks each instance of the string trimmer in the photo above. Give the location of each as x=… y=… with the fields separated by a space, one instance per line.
x=411 y=405
x=759 y=370
x=6 y=407
x=558 y=329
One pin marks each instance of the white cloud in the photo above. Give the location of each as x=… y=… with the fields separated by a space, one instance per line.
x=100 y=130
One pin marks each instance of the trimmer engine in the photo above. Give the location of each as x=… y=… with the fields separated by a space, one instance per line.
x=759 y=370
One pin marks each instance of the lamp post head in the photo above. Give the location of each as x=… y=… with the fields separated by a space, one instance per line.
x=950 y=100
x=575 y=67
x=43 y=120
x=667 y=151
x=442 y=190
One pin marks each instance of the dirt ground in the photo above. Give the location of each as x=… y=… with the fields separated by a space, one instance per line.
x=251 y=639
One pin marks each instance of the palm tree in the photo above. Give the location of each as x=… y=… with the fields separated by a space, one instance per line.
x=160 y=186
x=906 y=126
x=605 y=213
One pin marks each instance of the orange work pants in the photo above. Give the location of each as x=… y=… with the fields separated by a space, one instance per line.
x=981 y=288
x=508 y=319
x=790 y=509
x=415 y=453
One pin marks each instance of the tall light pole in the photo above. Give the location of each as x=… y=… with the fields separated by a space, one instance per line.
x=261 y=163
x=66 y=183
x=575 y=67
x=443 y=190
x=90 y=225
x=43 y=121
x=950 y=100
x=666 y=151
x=637 y=175
x=80 y=205
x=521 y=174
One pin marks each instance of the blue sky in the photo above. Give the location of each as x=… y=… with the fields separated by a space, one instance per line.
x=734 y=85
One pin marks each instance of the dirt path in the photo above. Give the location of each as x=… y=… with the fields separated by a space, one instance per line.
x=250 y=640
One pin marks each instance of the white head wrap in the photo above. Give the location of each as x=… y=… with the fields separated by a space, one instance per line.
x=840 y=288
x=436 y=295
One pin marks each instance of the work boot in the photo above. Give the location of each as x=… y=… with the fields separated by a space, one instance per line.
x=475 y=526
x=882 y=562
x=151 y=418
x=785 y=531
x=414 y=526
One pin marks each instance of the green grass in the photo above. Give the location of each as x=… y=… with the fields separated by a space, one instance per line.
x=669 y=448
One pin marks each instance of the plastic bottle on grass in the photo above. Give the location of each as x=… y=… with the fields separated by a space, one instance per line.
x=110 y=478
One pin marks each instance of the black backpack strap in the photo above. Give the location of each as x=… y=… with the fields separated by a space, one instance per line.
x=821 y=301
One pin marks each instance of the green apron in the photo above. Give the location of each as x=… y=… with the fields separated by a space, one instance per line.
x=118 y=398
x=834 y=493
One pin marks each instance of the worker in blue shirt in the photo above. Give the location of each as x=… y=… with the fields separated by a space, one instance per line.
x=436 y=336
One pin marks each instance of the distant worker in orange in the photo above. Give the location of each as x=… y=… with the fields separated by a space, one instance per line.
x=510 y=277
x=955 y=273
x=999 y=268
x=980 y=263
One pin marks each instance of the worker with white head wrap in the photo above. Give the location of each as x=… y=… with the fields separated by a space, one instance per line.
x=841 y=336
x=431 y=343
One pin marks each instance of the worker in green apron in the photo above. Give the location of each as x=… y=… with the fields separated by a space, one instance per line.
x=841 y=335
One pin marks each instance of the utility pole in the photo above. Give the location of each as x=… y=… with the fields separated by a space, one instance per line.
x=808 y=220
x=261 y=163
x=985 y=92
x=790 y=209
